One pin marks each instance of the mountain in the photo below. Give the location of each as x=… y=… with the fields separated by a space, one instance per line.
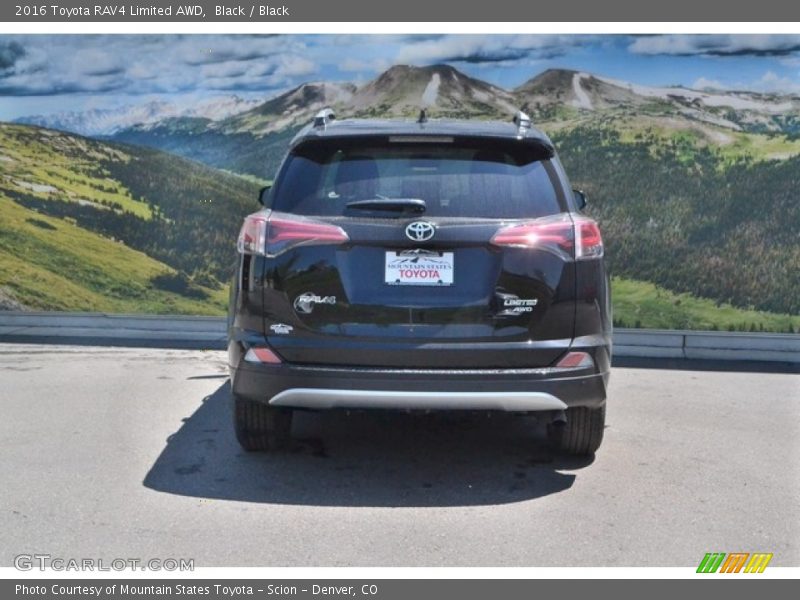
x=91 y=225
x=557 y=90
x=291 y=109
x=104 y=122
x=401 y=91
x=442 y=90
x=748 y=111
x=562 y=94
x=252 y=141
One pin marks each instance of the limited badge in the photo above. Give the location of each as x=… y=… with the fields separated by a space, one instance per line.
x=512 y=305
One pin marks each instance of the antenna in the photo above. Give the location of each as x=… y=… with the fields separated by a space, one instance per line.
x=324 y=117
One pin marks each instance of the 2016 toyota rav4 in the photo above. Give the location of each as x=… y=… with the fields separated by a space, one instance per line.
x=428 y=265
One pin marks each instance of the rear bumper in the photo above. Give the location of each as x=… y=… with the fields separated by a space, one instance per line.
x=510 y=390
x=319 y=398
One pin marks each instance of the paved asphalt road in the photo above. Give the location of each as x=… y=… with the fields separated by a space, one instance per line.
x=129 y=453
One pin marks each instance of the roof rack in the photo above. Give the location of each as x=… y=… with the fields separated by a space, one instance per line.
x=522 y=121
x=324 y=117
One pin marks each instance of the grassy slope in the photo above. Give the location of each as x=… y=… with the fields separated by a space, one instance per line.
x=643 y=304
x=65 y=168
x=51 y=264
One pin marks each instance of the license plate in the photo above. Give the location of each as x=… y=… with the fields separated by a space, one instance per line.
x=419 y=267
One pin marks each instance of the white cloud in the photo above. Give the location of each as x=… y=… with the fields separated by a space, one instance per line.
x=705 y=84
x=774 y=83
x=96 y=62
x=486 y=48
x=717 y=45
x=51 y=65
x=357 y=65
x=293 y=65
x=198 y=50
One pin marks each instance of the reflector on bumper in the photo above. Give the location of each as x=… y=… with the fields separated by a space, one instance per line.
x=575 y=360
x=262 y=355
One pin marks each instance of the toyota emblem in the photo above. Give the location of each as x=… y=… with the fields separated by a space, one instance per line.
x=420 y=231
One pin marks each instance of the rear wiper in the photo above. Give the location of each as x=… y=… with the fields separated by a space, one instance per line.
x=412 y=205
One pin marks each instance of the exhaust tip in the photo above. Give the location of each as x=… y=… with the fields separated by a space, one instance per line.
x=559 y=419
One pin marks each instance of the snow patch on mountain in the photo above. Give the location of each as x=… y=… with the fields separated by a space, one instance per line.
x=582 y=99
x=431 y=91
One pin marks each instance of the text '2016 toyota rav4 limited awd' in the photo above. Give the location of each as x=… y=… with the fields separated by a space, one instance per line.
x=428 y=265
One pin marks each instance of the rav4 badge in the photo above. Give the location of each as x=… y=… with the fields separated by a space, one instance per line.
x=304 y=303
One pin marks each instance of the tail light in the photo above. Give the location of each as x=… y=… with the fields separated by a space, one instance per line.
x=549 y=231
x=271 y=234
x=560 y=232
x=253 y=235
x=589 y=241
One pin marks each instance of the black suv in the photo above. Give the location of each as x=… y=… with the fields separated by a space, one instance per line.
x=420 y=265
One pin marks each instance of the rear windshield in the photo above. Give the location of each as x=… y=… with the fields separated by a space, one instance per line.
x=479 y=180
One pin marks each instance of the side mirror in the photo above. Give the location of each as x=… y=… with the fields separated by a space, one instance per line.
x=263 y=195
x=580 y=199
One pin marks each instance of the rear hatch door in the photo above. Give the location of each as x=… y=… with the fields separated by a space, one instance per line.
x=454 y=255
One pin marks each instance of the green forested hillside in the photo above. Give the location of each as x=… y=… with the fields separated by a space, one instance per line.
x=87 y=225
x=691 y=220
x=241 y=152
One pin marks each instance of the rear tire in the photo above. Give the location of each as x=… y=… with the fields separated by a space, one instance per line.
x=583 y=432
x=261 y=427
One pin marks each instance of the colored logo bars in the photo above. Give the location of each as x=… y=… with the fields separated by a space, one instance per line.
x=734 y=563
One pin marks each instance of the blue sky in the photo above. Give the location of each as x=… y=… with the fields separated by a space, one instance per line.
x=41 y=74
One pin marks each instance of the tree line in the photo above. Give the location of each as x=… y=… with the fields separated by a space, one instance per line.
x=686 y=218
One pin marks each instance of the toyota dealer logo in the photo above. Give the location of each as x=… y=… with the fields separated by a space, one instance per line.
x=420 y=231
